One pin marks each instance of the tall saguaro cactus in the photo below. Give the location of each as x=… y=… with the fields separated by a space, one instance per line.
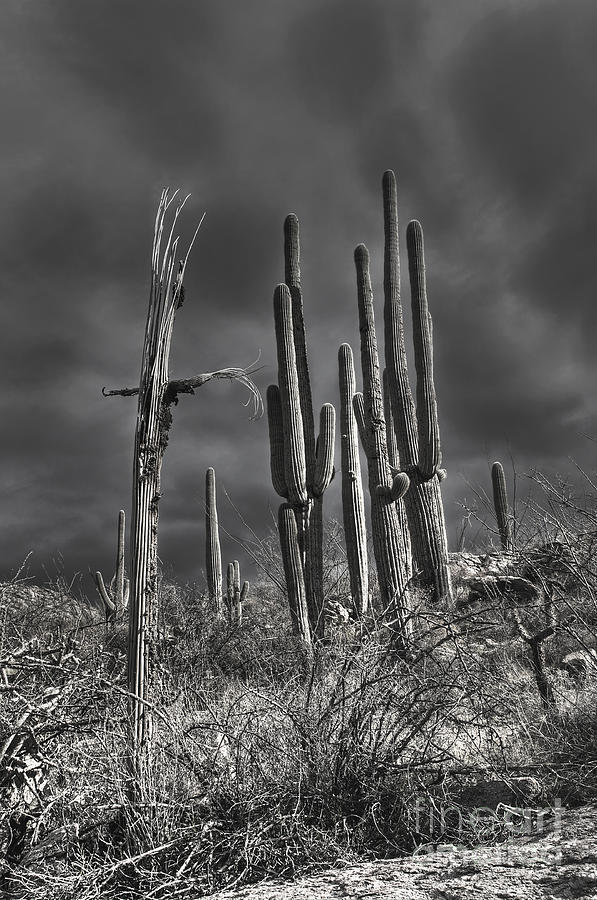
x=301 y=467
x=353 y=504
x=417 y=428
x=213 y=553
x=385 y=490
x=500 y=502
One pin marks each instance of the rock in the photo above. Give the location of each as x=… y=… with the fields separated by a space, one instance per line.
x=579 y=664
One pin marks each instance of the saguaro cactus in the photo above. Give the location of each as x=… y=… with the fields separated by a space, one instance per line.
x=353 y=504
x=500 y=502
x=213 y=553
x=235 y=594
x=156 y=395
x=301 y=468
x=384 y=490
x=417 y=430
x=116 y=598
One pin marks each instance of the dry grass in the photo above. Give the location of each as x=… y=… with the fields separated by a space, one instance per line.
x=257 y=769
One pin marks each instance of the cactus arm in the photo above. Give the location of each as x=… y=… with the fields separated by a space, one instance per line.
x=500 y=502
x=401 y=398
x=294 y=456
x=292 y=277
x=276 y=439
x=353 y=504
x=324 y=467
x=110 y=608
x=245 y=591
x=372 y=392
x=400 y=485
x=358 y=407
x=427 y=422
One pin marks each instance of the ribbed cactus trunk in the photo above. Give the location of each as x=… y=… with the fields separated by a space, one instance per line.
x=392 y=570
x=394 y=460
x=230 y=573
x=213 y=553
x=301 y=468
x=155 y=396
x=115 y=599
x=151 y=437
x=500 y=502
x=293 y=573
x=353 y=503
x=235 y=595
x=417 y=429
x=121 y=587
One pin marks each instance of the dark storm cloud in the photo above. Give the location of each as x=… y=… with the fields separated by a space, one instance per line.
x=558 y=271
x=483 y=109
x=144 y=67
x=523 y=90
x=341 y=57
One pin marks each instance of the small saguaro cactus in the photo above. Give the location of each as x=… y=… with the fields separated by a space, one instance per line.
x=500 y=502
x=417 y=429
x=116 y=597
x=353 y=503
x=213 y=553
x=235 y=594
x=384 y=490
x=301 y=467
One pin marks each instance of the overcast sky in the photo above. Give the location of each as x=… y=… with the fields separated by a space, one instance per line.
x=486 y=110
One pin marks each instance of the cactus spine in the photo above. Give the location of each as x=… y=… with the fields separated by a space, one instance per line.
x=115 y=599
x=384 y=491
x=417 y=430
x=353 y=504
x=500 y=502
x=213 y=554
x=301 y=469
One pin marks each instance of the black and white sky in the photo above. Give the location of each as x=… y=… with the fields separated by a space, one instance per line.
x=486 y=110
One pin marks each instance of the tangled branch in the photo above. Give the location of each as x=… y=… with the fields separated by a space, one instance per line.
x=189 y=385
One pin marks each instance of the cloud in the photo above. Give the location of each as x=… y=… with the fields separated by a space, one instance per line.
x=521 y=90
x=482 y=108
